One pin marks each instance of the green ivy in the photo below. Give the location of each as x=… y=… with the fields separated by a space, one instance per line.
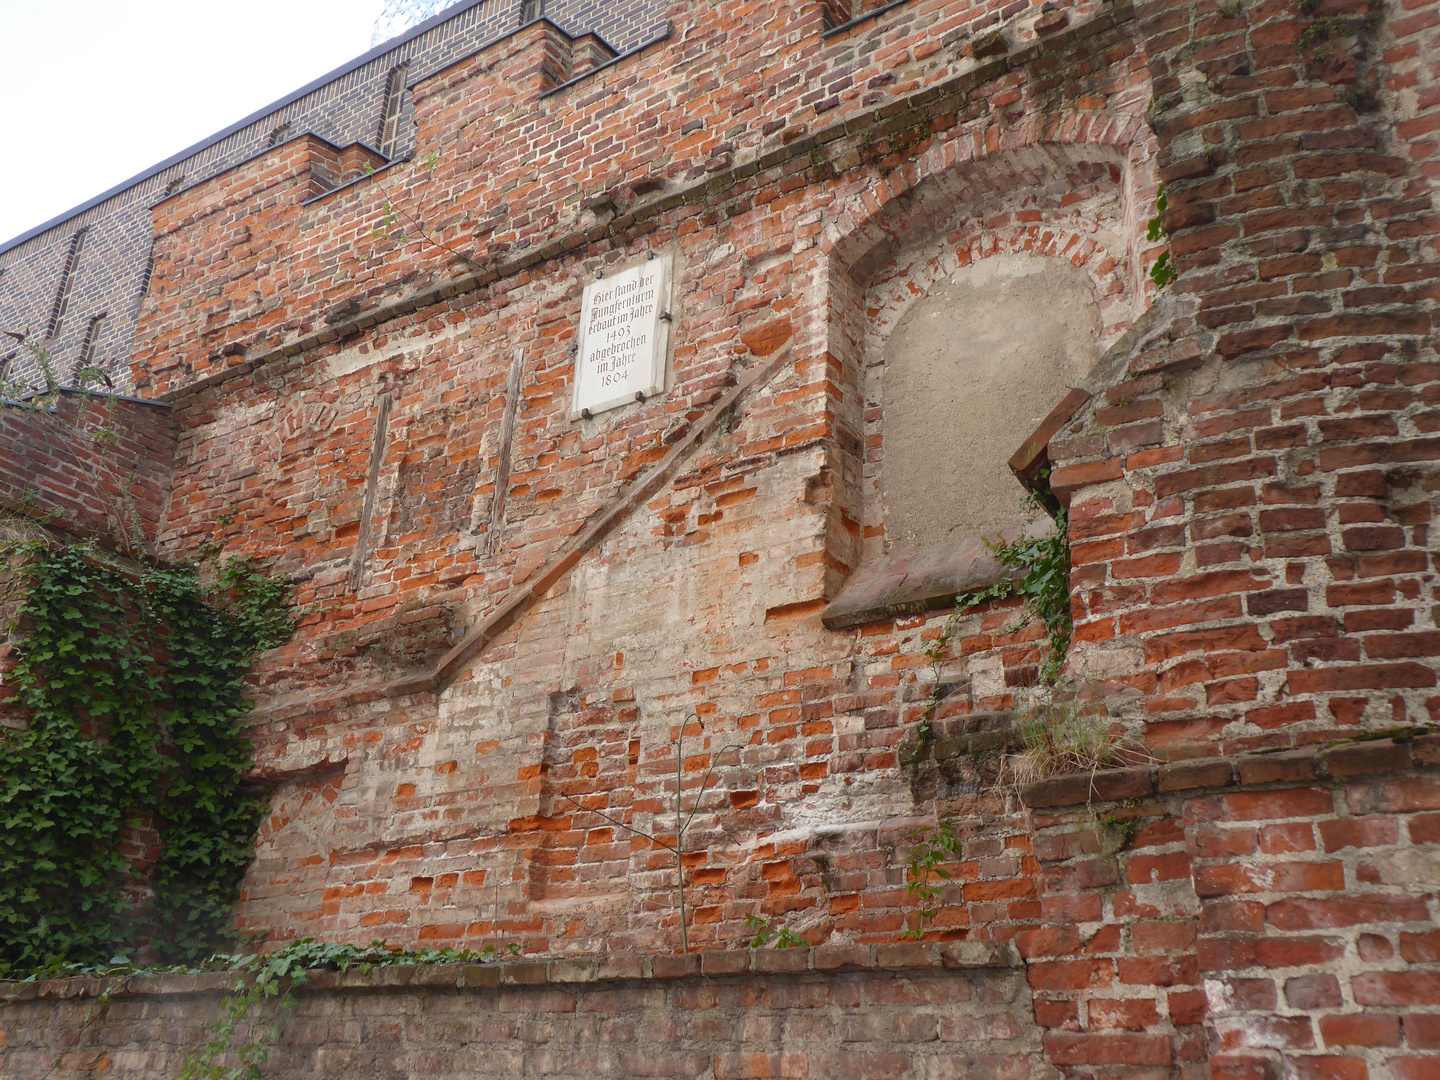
x=1044 y=582
x=130 y=685
x=238 y=1044
x=276 y=975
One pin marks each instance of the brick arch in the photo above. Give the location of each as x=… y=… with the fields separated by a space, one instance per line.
x=1106 y=267
x=1061 y=187
x=982 y=152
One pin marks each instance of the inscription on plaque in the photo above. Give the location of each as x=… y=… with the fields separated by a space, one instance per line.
x=622 y=337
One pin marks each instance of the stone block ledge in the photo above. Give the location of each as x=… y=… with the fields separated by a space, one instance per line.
x=822 y=959
x=1400 y=751
x=925 y=580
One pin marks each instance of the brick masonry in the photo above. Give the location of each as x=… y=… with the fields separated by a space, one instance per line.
x=505 y=636
x=112 y=274
x=88 y=464
x=797 y=1013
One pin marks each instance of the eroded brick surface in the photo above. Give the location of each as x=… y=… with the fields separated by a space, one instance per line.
x=1249 y=487
x=907 y=1024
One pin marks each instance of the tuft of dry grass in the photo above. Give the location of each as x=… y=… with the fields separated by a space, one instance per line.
x=1066 y=729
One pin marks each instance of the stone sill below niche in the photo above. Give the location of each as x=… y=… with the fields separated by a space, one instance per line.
x=924 y=580
x=917 y=956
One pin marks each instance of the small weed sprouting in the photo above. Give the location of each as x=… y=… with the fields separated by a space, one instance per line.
x=1360 y=98
x=394 y=219
x=683 y=818
x=1043 y=568
x=1318 y=31
x=765 y=931
x=934 y=847
x=1163 y=272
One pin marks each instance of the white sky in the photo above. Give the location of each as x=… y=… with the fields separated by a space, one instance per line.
x=100 y=90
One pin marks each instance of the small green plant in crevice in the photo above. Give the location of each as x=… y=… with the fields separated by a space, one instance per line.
x=1042 y=566
x=1163 y=272
x=764 y=932
x=1360 y=98
x=1117 y=833
x=683 y=818
x=394 y=220
x=1320 y=30
x=128 y=701
x=935 y=846
x=1041 y=577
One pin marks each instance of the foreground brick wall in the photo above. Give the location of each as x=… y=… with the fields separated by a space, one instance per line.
x=833 y=1013
x=1270 y=915
x=89 y=464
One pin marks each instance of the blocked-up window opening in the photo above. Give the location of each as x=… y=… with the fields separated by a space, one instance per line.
x=969 y=371
x=147 y=274
x=90 y=346
x=960 y=316
x=389 y=130
x=67 y=282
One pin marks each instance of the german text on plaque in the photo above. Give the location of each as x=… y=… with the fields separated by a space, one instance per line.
x=622 y=337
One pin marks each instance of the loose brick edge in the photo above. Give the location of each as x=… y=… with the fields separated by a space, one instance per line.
x=1402 y=751
x=823 y=959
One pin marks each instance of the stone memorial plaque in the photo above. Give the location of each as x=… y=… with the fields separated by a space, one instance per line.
x=623 y=337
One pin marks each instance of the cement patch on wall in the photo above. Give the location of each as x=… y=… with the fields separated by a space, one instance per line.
x=970 y=370
x=925 y=1023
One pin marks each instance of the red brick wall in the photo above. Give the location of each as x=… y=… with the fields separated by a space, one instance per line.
x=1249 y=488
x=902 y=1012
x=88 y=464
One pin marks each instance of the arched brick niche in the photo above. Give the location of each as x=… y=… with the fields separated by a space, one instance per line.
x=962 y=309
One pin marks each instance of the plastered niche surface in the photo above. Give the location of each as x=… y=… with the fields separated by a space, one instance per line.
x=968 y=372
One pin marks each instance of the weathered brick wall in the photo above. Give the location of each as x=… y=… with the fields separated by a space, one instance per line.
x=745 y=544
x=799 y=1013
x=92 y=465
x=1251 y=498
x=502 y=638
x=1269 y=915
